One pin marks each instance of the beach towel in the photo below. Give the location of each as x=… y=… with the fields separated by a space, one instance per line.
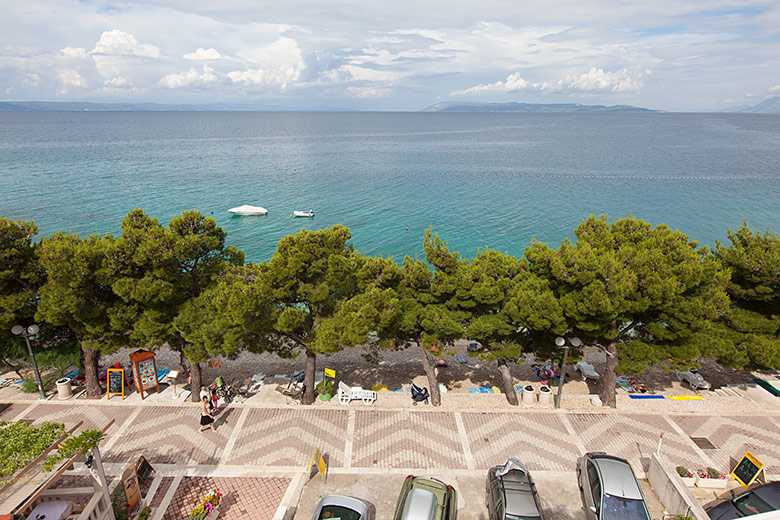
x=8 y=382
x=645 y=396
x=496 y=390
x=767 y=386
x=474 y=390
x=519 y=389
x=461 y=358
x=686 y=397
x=73 y=374
x=379 y=388
x=484 y=390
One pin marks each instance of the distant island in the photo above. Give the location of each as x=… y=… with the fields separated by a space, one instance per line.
x=83 y=106
x=532 y=108
x=767 y=106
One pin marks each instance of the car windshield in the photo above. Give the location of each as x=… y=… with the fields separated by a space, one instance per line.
x=515 y=517
x=750 y=504
x=619 y=508
x=338 y=513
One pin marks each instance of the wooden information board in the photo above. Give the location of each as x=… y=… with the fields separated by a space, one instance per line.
x=144 y=371
x=116 y=382
x=747 y=469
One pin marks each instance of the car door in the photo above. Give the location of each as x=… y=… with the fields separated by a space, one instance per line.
x=594 y=490
x=494 y=497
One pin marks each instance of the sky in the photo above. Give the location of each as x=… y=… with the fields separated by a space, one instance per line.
x=405 y=55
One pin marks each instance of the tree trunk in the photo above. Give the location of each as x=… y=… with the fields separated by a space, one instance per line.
x=91 y=381
x=610 y=376
x=196 y=379
x=308 y=377
x=507 y=384
x=433 y=382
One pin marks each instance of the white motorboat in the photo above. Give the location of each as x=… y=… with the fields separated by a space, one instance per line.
x=309 y=213
x=246 y=209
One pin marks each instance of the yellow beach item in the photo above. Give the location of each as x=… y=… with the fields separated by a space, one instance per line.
x=496 y=390
x=379 y=388
x=685 y=397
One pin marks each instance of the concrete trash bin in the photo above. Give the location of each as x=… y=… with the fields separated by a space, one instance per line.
x=545 y=397
x=529 y=396
x=64 y=390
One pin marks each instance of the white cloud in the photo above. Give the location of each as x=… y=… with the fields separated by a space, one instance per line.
x=191 y=78
x=116 y=42
x=70 y=78
x=776 y=88
x=32 y=79
x=272 y=66
x=203 y=54
x=117 y=82
x=368 y=92
x=595 y=80
x=73 y=52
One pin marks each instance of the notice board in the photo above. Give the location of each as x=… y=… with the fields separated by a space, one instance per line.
x=747 y=469
x=144 y=371
x=116 y=382
x=143 y=469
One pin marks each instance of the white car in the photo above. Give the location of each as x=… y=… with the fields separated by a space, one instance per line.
x=339 y=507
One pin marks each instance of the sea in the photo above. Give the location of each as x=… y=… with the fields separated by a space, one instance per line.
x=479 y=180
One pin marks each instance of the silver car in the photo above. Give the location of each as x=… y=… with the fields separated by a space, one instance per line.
x=340 y=507
x=609 y=488
x=511 y=493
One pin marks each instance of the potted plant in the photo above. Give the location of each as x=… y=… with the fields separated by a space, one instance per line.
x=686 y=476
x=325 y=389
x=207 y=506
x=710 y=478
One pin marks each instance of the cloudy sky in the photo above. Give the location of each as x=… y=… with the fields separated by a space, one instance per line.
x=398 y=55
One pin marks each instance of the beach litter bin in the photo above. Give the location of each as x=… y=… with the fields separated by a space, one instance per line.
x=529 y=396
x=545 y=397
x=64 y=390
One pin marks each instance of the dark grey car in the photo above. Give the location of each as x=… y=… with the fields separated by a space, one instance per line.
x=762 y=499
x=511 y=493
x=609 y=488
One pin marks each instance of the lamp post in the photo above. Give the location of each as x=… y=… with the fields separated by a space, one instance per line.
x=561 y=343
x=31 y=332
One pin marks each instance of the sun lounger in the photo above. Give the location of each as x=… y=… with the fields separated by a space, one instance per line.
x=767 y=386
x=347 y=394
x=255 y=383
x=587 y=370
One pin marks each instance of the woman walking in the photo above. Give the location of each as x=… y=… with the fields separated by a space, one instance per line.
x=206 y=419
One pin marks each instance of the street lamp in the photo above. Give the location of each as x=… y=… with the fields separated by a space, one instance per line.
x=31 y=332
x=575 y=342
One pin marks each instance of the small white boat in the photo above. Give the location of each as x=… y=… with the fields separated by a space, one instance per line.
x=246 y=209
x=309 y=213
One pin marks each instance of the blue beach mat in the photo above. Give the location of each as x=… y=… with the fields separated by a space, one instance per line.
x=645 y=396
x=162 y=373
x=474 y=390
x=73 y=374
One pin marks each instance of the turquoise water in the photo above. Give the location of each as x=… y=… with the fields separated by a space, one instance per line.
x=481 y=180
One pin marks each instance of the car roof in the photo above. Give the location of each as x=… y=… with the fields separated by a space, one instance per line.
x=519 y=494
x=340 y=500
x=617 y=477
x=420 y=505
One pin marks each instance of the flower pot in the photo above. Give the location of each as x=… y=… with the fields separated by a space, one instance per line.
x=325 y=397
x=711 y=483
x=688 y=481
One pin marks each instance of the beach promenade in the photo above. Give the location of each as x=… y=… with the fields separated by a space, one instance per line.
x=258 y=455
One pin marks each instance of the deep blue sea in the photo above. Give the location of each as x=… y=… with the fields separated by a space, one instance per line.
x=481 y=180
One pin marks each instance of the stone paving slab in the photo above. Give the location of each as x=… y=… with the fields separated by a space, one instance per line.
x=540 y=440
x=733 y=435
x=8 y=411
x=255 y=498
x=169 y=435
x=404 y=439
x=93 y=417
x=633 y=437
x=288 y=437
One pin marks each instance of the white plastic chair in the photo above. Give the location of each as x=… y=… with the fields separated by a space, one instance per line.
x=347 y=394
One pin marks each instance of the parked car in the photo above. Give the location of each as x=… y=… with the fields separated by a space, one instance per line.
x=426 y=499
x=609 y=488
x=511 y=493
x=758 y=500
x=341 y=507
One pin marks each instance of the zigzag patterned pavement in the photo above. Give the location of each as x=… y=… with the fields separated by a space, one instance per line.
x=170 y=435
x=540 y=440
x=285 y=437
x=733 y=435
x=404 y=439
x=92 y=417
x=633 y=437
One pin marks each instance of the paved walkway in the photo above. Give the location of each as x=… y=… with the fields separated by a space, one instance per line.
x=258 y=454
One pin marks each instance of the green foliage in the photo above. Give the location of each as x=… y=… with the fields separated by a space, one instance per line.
x=748 y=332
x=20 y=443
x=20 y=275
x=80 y=443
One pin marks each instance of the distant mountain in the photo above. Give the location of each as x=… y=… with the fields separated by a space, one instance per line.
x=767 y=106
x=531 y=108
x=76 y=106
